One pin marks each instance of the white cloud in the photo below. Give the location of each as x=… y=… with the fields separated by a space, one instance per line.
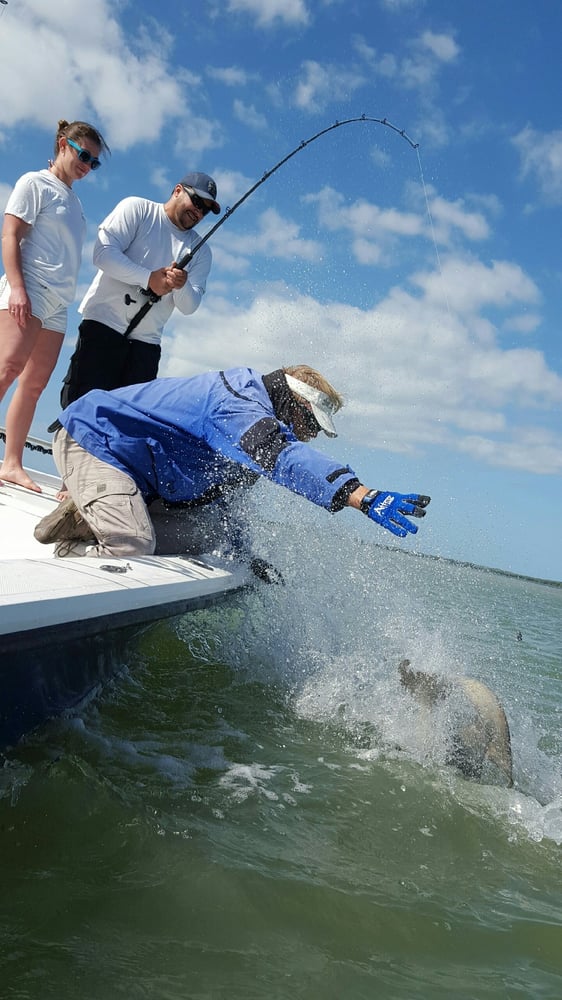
x=520 y=375
x=160 y=178
x=380 y=158
x=363 y=49
x=196 y=135
x=416 y=372
x=428 y=54
x=367 y=220
x=388 y=65
x=231 y=76
x=431 y=129
x=363 y=218
x=248 y=114
x=366 y=252
x=231 y=185
x=529 y=450
x=525 y=323
x=541 y=159
x=268 y=11
x=469 y=285
x=277 y=237
x=489 y=203
x=80 y=59
x=319 y=83
x=452 y=215
x=417 y=72
x=398 y=5
x=443 y=47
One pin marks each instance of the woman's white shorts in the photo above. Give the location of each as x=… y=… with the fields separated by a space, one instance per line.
x=45 y=305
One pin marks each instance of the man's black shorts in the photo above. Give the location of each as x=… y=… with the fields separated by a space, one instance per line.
x=105 y=359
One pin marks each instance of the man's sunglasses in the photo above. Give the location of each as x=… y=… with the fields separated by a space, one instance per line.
x=84 y=156
x=196 y=201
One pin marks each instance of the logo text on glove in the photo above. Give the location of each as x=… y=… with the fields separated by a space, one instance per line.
x=381 y=507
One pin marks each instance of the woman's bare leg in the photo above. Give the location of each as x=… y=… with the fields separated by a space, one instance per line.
x=16 y=344
x=33 y=379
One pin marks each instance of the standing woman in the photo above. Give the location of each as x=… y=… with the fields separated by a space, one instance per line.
x=42 y=237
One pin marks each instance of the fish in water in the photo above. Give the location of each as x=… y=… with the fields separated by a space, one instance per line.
x=481 y=731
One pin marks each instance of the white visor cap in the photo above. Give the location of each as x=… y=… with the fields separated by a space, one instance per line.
x=321 y=404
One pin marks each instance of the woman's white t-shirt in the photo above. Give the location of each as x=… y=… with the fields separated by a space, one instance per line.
x=52 y=249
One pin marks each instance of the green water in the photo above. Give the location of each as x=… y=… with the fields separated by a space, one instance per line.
x=232 y=817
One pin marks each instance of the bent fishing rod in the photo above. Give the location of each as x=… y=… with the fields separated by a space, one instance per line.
x=152 y=297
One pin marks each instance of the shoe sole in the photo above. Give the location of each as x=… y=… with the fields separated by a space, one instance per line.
x=65 y=523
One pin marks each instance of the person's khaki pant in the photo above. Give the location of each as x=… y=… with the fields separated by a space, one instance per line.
x=108 y=500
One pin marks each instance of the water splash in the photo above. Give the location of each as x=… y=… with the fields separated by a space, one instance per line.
x=351 y=610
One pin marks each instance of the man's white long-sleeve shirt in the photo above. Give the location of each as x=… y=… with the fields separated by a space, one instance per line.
x=136 y=238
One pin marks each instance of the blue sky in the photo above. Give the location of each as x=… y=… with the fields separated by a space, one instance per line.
x=425 y=284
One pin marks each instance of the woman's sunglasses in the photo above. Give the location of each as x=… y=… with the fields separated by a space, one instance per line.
x=84 y=156
x=196 y=201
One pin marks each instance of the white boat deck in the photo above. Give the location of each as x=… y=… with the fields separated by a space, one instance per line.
x=55 y=614
x=20 y=510
x=39 y=591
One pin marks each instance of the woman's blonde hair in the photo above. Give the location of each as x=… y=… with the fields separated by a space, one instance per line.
x=309 y=375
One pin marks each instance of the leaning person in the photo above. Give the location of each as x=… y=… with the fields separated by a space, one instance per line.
x=42 y=237
x=184 y=440
x=136 y=250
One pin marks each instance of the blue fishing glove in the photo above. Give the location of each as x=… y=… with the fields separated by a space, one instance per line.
x=388 y=510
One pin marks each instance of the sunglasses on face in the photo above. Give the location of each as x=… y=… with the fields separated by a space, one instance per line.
x=197 y=202
x=84 y=156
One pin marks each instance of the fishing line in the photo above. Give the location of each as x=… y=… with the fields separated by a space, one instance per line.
x=431 y=226
x=152 y=298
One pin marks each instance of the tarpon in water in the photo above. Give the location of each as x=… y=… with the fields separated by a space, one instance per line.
x=480 y=734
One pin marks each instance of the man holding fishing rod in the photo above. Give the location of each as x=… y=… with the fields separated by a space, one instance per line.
x=136 y=253
x=196 y=442
x=127 y=304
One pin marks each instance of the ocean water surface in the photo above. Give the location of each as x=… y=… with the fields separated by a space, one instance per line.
x=255 y=807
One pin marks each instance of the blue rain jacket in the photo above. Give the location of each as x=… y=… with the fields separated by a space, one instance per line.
x=181 y=438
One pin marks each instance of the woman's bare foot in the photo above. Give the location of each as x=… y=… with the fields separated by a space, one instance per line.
x=62 y=494
x=20 y=478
